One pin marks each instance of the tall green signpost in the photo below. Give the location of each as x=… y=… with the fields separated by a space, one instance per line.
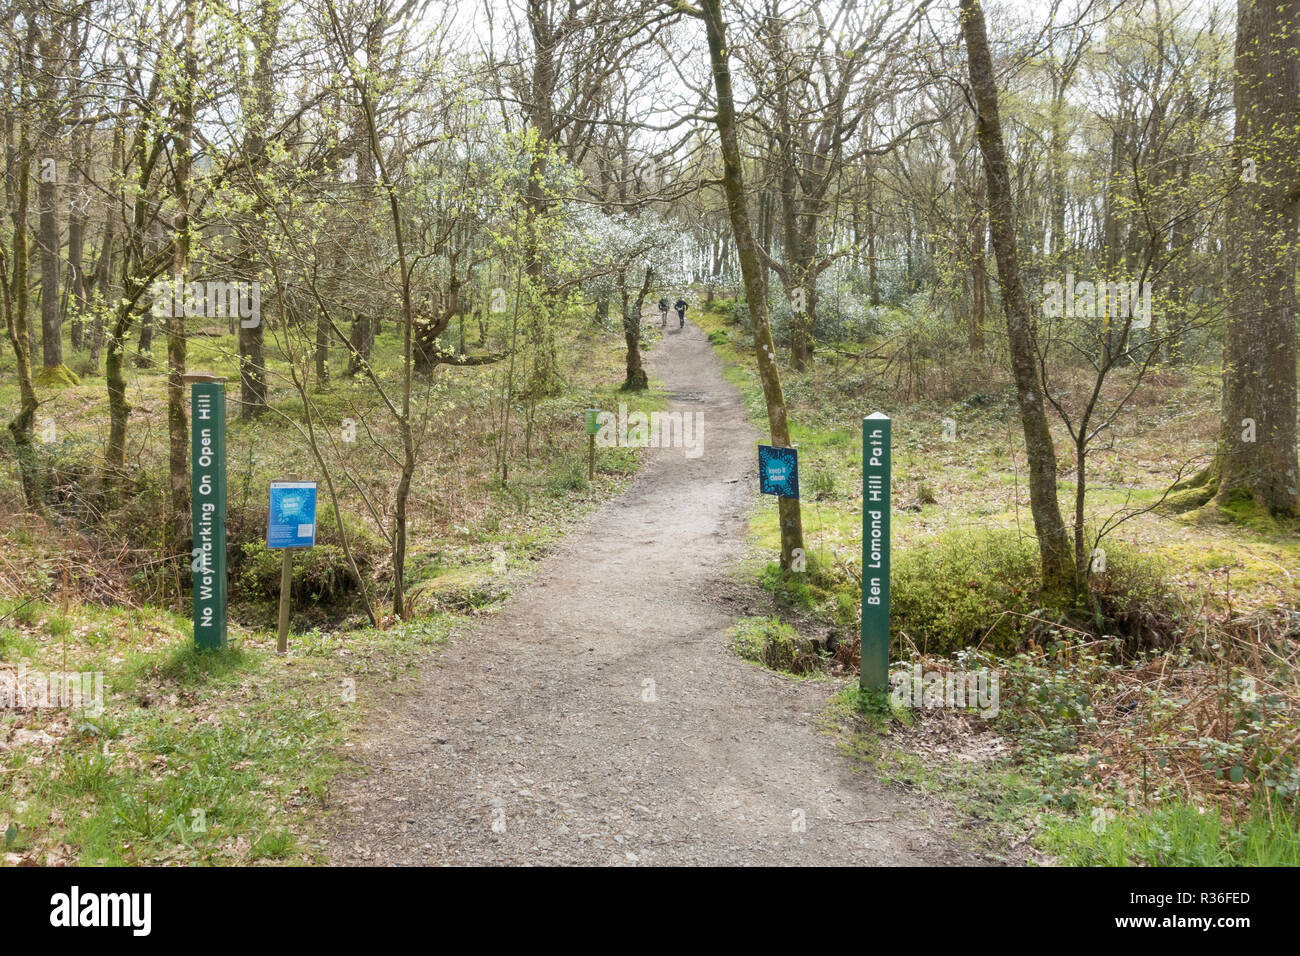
x=874 y=669
x=208 y=471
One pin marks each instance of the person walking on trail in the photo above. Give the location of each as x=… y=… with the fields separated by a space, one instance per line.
x=680 y=306
x=663 y=311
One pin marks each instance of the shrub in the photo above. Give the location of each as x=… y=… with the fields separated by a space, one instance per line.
x=735 y=311
x=821 y=482
x=949 y=593
x=85 y=368
x=822 y=589
x=1133 y=599
x=572 y=478
x=320 y=573
x=965 y=588
x=773 y=643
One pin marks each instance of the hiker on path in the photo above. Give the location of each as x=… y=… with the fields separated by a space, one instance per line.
x=680 y=306
x=663 y=311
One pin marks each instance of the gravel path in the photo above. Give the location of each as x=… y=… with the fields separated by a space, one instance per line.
x=600 y=717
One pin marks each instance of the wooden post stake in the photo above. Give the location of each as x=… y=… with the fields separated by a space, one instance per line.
x=286 y=581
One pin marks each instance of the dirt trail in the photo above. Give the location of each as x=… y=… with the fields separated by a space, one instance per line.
x=530 y=739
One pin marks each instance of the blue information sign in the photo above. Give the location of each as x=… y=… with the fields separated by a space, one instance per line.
x=293 y=515
x=778 y=471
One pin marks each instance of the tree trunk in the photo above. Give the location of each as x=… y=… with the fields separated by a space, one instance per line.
x=47 y=230
x=1053 y=545
x=76 y=254
x=545 y=378
x=636 y=379
x=103 y=272
x=1056 y=165
x=359 y=341
x=118 y=408
x=15 y=310
x=751 y=266
x=322 y=350
x=979 y=271
x=178 y=427
x=47 y=237
x=1259 y=361
x=144 y=347
x=252 y=339
x=873 y=279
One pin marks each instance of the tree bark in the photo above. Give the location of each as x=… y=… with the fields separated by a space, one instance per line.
x=636 y=379
x=1053 y=545
x=178 y=428
x=47 y=234
x=979 y=270
x=252 y=338
x=15 y=310
x=1259 y=362
x=322 y=351
x=751 y=266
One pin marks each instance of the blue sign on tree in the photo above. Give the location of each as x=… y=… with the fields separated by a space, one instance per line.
x=778 y=471
x=293 y=515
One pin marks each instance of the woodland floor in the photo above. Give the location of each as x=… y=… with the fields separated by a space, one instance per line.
x=601 y=716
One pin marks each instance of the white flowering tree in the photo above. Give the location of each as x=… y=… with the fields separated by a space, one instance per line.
x=629 y=256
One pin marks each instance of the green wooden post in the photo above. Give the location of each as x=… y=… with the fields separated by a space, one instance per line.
x=208 y=471
x=591 y=415
x=874 y=668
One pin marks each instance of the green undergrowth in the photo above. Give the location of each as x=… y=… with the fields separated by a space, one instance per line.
x=1140 y=706
x=973 y=588
x=773 y=643
x=1013 y=799
x=216 y=757
x=1174 y=835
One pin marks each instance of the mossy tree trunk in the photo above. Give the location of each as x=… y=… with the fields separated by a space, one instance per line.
x=1053 y=543
x=751 y=266
x=15 y=310
x=1256 y=455
x=636 y=379
x=178 y=429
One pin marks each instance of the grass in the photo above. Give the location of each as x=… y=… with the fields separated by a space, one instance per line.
x=775 y=644
x=197 y=757
x=1176 y=835
x=228 y=758
x=963 y=554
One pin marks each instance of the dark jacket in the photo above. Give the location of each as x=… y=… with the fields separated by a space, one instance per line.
x=680 y=305
x=663 y=304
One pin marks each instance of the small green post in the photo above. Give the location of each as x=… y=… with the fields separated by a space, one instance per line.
x=591 y=415
x=874 y=667
x=208 y=476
